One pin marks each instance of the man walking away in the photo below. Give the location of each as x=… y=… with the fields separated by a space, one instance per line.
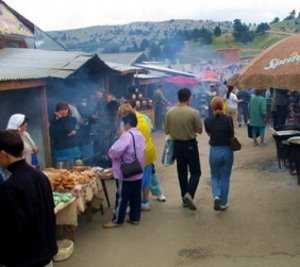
x=258 y=112
x=243 y=106
x=27 y=225
x=183 y=123
x=282 y=102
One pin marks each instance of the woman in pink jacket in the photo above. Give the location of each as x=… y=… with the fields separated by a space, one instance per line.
x=129 y=147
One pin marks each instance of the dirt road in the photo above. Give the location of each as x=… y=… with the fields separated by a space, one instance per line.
x=261 y=228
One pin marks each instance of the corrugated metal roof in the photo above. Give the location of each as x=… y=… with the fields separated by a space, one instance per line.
x=23 y=64
x=165 y=70
x=122 y=67
x=122 y=58
x=151 y=75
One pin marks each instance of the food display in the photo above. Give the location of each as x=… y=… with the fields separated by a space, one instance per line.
x=65 y=180
x=62 y=198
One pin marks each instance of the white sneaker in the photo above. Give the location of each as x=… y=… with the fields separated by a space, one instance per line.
x=161 y=198
x=146 y=206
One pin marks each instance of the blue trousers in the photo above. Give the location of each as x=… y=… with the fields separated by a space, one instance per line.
x=155 y=186
x=221 y=161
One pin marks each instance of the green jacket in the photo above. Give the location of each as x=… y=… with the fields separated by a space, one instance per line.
x=258 y=111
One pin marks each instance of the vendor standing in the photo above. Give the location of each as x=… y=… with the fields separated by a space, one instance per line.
x=64 y=135
x=20 y=122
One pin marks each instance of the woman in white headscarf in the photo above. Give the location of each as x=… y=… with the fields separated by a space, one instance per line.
x=19 y=122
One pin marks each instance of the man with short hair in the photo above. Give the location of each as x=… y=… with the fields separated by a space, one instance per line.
x=27 y=225
x=183 y=123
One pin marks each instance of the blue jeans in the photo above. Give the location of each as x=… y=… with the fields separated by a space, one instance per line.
x=155 y=187
x=221 y=161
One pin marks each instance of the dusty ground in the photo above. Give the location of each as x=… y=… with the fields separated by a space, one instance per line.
x=261 y=228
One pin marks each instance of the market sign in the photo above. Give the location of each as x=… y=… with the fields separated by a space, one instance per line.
x=275 y=63
x=9 y=23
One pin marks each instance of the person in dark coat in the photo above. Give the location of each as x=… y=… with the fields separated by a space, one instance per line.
x=64 y=135
x=27 y=225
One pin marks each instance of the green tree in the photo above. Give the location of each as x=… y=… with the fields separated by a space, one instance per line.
x=291 y=16
x=155 y=51
x=144 y=45
x=241 y=32
x=275 y=20
x=217 y=31
x=262 y=28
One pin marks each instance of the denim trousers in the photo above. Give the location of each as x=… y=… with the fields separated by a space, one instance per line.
x=221 y=161
x=155 y=186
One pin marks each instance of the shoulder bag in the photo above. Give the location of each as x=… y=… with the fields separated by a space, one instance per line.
x=235 y=144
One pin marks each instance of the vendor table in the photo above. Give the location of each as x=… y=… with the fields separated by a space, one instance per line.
x=66 y=213
x=103 y=178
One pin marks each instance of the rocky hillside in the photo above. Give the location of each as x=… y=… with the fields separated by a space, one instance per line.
x=132 y=37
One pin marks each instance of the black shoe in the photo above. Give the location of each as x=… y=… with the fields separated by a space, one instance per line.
x=190 y=202
x=133 y=222
x=217 y=204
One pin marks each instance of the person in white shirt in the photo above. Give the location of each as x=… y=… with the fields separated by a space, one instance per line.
x=232 y=104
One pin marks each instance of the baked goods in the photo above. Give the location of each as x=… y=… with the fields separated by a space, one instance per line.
x=65 y=180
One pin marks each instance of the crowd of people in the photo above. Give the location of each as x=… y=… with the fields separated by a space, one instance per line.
x=27 y=225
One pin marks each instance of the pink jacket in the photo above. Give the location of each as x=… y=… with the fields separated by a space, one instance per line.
x=123 y=151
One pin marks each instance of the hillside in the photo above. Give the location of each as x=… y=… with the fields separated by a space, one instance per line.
x=180 y=40
x=130 y=37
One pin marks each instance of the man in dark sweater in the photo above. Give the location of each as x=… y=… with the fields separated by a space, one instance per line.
x=27 y=225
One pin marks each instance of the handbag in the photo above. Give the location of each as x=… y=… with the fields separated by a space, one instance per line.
x=235 y=144
x=134 y=168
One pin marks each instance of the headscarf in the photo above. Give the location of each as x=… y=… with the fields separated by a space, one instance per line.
x=15 y=121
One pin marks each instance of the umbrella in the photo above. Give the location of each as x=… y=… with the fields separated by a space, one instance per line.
x=277 y=67
x=181 y=81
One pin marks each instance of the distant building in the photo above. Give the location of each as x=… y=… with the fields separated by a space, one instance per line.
x=17 y=31
x=229 y=55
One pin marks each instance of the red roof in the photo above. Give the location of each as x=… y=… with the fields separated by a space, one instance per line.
x=182 y=81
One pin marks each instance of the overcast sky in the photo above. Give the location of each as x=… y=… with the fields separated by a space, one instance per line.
x=67 y=14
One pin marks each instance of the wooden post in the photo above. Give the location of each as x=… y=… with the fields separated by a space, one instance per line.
x=45 y=126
